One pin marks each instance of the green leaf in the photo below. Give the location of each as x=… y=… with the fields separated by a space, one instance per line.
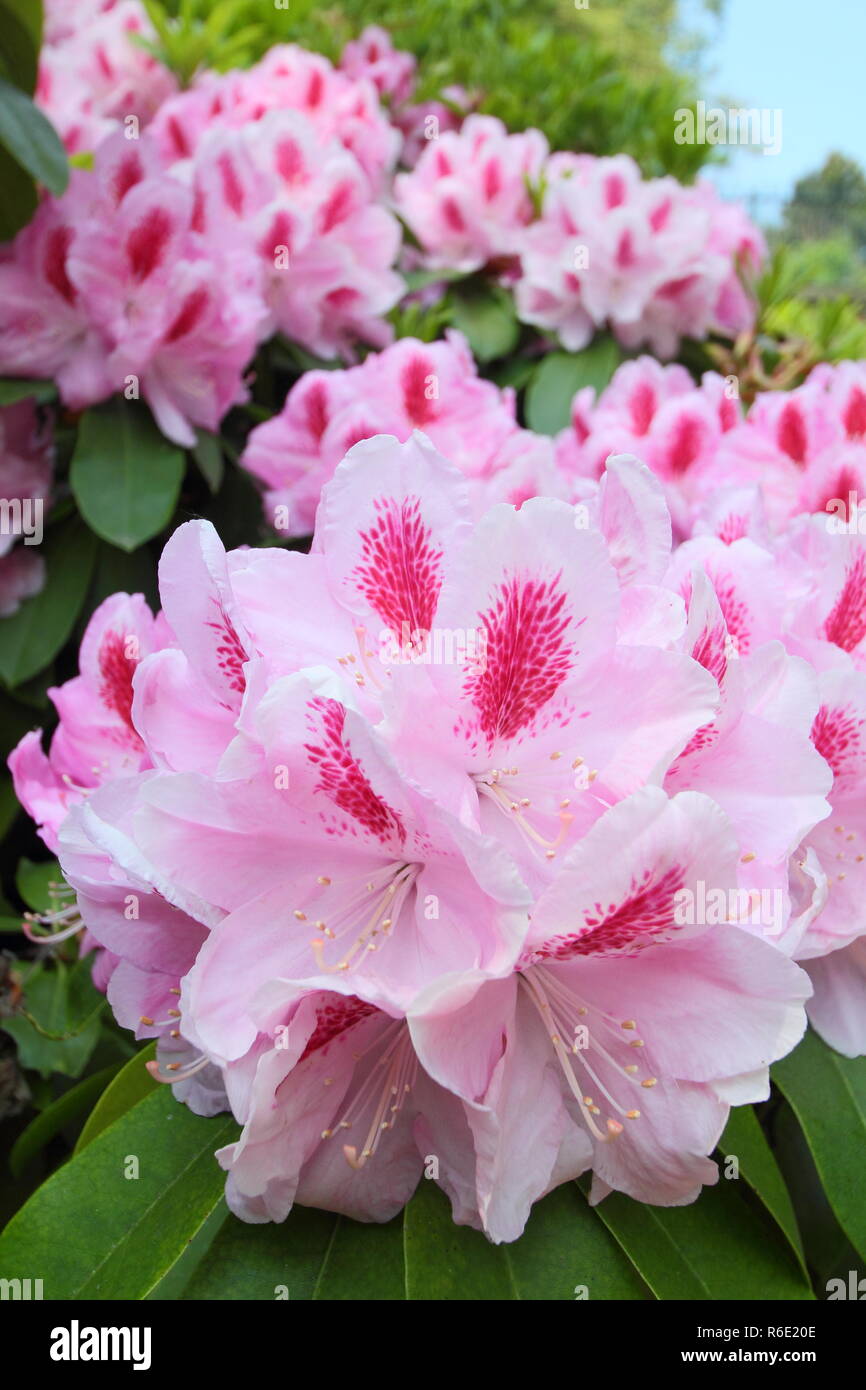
x=31 y=139
x=132 y=1083
x=20 y=198
x=560 y=375
x=55 y=1117
x=30 y=638
x=20 y=39
x=744 y=1140
x=9 y=809
x=34 y=881
x=208 y=455
x=125 y=476
x=130 y=572
x=420 y=1255
x=717 y=1247
x=486 y=316
x=254 y=1262
x=14 y=389
x=56 y=1027
x=828 y=1095
x=93 y=1232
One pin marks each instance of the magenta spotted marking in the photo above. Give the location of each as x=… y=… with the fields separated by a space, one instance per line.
x=647 y=912
x=528 y=654
x=230 y=650
x=147 y=243
x=791 y=433
x=127 y=174
x=846 y=622
x=54 y=265
x=192 y=311
x=685 y=445
x=400 y=571
x=736 y=612
x=642 y=407
x=414 y=380
x=116 y=670
x=837 y=733
x=855 y=414
x=334 y=1019
x=734 y=528
x=341 y=776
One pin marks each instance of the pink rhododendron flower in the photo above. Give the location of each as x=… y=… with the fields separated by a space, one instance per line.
x=92 y=73
x=140 y=279
x=624 y=1034
x=467 y=200
x=336 y=104
x=373 y=55
x=645 y=258
x=95 y=740
x=726 y=470
x=434 y=387
x=375 y=849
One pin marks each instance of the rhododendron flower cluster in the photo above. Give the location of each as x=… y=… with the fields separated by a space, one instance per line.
x=409 y=823
x=411 y=385
x=263 y=201
x=803 y=449
x=650 y=259
x=92 y=74
x=163 y=281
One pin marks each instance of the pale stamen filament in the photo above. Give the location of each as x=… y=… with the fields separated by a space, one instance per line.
x=176 y=1071
x=491 y=786
x=385 y=912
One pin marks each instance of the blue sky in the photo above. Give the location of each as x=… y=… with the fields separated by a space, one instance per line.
x=804 y=57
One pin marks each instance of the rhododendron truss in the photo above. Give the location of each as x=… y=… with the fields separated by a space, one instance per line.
x=410 y=821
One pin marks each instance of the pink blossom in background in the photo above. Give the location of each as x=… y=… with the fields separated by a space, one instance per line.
x=91 y=72
x=338 y=106
x=650 y=259
x=800 y=451
x=466 y=199
x=434 y=387
x=373 y=55
x=137 y=273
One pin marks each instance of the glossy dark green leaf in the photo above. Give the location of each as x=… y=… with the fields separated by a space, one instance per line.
x=560 y=375
x=209 y=460
x=92 y=1231
x=744 y=1140
x=35 y=882
x=716 y=1248
x=30 y=638
x=56 y=1027
x=827 y=1093
x=20 y=38
x=131 y=1084
x=565 y=1253
x=14 y=389
x=62 y=1112
x=31 y=139
x=486 y=316
x=125 y=475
